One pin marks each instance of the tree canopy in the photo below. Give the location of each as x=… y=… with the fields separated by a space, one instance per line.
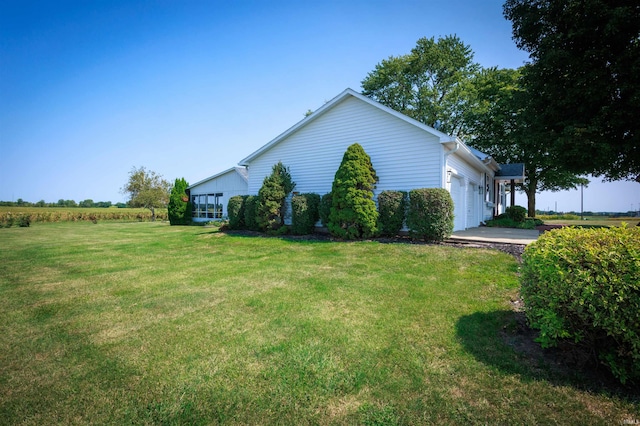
x=503 y=129
x=146 y=189
x=584 y=80
x=431 y=84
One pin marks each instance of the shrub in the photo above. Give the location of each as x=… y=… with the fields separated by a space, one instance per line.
x=506 y=222
x=325 y=208
x=272 y=198
x=353 y=212
x=305 y=213
x=430 y=214
x=516 y=213
x=250 y=212
x=24 y=220
x=392 y=206
x=235 y=211
x=581 y=287
x=179 y=208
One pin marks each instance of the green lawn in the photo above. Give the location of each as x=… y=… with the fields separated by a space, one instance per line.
x=142 y=323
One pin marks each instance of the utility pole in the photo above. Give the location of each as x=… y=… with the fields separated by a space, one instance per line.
x=581 y=202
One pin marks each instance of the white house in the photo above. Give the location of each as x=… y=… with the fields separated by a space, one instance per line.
x=210 y=196
x=405 y=153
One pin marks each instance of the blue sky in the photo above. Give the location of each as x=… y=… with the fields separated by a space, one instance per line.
x=90 y=89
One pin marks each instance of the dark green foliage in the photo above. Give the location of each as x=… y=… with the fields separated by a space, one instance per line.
x=430 y=214
x=250 y=213
x=516 y=213
x=503 y=221
x=272 y=198
x=392 y=206
x=305 y=213
x=179 y=208
x=235 y=211
x=24 y=221
x=325 y=208
x=353 y=213
x=582 y=287
x=583 y=81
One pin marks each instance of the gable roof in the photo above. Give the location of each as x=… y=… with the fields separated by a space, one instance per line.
x=444 y=138
x=242 y=171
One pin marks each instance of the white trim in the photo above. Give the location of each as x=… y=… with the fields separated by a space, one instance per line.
x=242 y=171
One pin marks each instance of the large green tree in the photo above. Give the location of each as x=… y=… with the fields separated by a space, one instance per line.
x=502 y=128
x=431 y=84
x=146 y=189
x=583 y=80
x=179 y=210
x=353 y=212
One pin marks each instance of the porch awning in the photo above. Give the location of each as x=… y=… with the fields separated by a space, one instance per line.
x=509 y=172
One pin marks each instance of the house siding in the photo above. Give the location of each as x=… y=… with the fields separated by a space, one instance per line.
x=404 y=156
x=470 y=179
x=229 y=184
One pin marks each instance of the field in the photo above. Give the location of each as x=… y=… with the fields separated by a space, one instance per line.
x=143 y=323
x=12 y=215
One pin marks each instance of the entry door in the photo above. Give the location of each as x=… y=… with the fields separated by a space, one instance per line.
x=458 y=204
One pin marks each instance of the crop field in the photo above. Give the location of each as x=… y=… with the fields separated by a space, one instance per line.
x=146 y=323
x=12 y=215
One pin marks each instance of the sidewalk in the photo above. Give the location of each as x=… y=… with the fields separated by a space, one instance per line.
x=497 y=235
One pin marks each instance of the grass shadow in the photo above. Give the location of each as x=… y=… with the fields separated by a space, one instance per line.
x=502 y=339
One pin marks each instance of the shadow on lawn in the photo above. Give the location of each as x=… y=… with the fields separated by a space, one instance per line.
x=502 y=339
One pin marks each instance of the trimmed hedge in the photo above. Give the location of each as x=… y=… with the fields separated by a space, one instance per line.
x=430 y=214
x=392 y=206
x=325 y=208
x=516 y=213
x=305 y=213
x=581 y=287
x=235 y=211
x=251 y=213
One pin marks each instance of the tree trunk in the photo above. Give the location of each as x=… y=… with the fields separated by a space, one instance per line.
x=531 y=199
x=153 y=214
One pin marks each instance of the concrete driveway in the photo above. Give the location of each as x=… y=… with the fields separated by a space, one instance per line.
x=497 y=235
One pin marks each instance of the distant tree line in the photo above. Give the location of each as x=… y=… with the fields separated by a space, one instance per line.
x=63 y=203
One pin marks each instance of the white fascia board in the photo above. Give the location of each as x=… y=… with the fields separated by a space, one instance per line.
x=466 y=153
x=233 y=169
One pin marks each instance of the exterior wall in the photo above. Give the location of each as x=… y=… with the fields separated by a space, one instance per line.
x=471 y=212
x=404 y=156
x=228 y=184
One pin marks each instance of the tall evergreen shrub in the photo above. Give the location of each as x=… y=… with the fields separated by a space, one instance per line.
x=353 y=213
x=325 y=208
x=305 y=213
x=235 y=211
x=430 y=214
x=179 y=208
x=392 y=206
x=250 y=213
x=272 y=198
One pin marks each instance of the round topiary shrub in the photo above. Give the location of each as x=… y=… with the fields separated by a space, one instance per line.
x=516 y=213
x=430 y=214
x=581 y=287
x=353 y=212
x=392 y=206
x=305 y=213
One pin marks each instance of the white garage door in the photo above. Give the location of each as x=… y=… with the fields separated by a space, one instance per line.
x=458 y=203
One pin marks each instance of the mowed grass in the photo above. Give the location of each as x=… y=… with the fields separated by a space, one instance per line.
x=144 y=323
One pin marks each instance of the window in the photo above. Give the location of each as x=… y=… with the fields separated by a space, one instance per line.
x=207 y=206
